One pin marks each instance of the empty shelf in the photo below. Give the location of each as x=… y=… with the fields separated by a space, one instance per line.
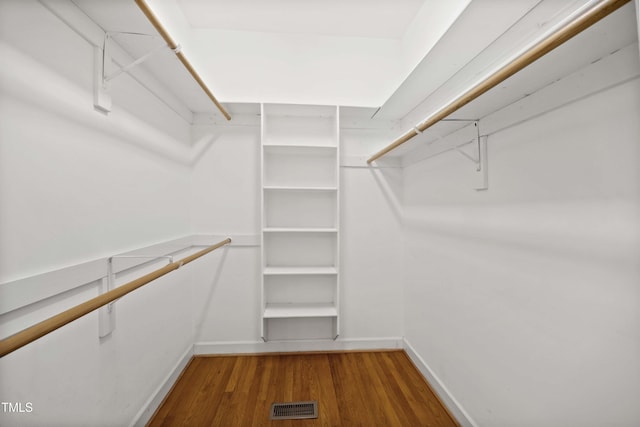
x=282 y=271
x=282 y=311
x=275 y=147
x=298 y=188
x=300 y=230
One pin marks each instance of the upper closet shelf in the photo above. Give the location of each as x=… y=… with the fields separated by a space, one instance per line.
x=522 y=45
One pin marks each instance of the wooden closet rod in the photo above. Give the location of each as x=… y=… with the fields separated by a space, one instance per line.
x=595 y=13
x=142 y=4
x=41 y=329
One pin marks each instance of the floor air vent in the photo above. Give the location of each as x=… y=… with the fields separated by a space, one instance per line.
x=294 y=410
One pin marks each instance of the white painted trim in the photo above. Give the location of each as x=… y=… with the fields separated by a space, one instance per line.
x=610 y=71
x=439 y=388
x=338 y=245
x=252 y=240
x=32 y=82
x=29 y=290
x=69 y=13
x=263 y=256
x=252 y=347
x=156 y=399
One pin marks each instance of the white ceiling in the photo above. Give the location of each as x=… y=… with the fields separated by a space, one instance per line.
x=343 y=18
x=259 y=51
x=347 y=52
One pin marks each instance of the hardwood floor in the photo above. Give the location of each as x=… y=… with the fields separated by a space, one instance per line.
x=352 y=389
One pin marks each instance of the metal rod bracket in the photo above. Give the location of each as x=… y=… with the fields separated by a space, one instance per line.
x=110 y=76
x=479 y=159
x=107 y=314
x=596 y=11
x=474 y=159
x=102 y=74
x=101 y=89
x=483 y=165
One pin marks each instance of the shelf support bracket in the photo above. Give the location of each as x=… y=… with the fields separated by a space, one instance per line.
x=474 y=159
x=483 y=168
x=103 y=65
x=136 y=62
x=101 y=88
x=479 y=159
x=107 y=314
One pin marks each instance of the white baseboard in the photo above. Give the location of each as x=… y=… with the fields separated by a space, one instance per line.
x=248 y=347
x=153 y=403
x=455 y=408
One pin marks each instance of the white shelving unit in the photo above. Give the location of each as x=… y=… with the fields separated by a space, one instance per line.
x=300 y=222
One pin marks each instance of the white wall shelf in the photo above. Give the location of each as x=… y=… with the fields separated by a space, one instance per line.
x=300 y=222
x=299 y=271
x=293 y=188
x=283 y=311
x=299 y=230
x=300 y=147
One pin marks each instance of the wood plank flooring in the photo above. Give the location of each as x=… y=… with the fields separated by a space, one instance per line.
x=352 y=389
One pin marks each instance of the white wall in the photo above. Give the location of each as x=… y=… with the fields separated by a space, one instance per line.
x=524 y=300
x=77 y=186
x=225 y=182
x=49 y=146
x=225 y=199
x=299 y=69
x=302 y=68
x=427 y=28
x=371 y=250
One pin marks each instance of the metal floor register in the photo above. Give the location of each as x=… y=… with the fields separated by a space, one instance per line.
x=294 y=410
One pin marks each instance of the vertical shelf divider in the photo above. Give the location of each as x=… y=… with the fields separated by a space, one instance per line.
x=262 y=226
x=338 y=234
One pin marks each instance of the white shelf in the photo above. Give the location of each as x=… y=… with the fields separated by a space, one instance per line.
x=300 y=230
x=277 y=145
x=298 y=188
x=290 y=149
x=299 y=271
x=300 y=212
x=283 y=146
x=283 y=311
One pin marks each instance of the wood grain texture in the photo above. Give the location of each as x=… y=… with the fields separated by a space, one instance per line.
x=153 y=19
x=381 y=388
